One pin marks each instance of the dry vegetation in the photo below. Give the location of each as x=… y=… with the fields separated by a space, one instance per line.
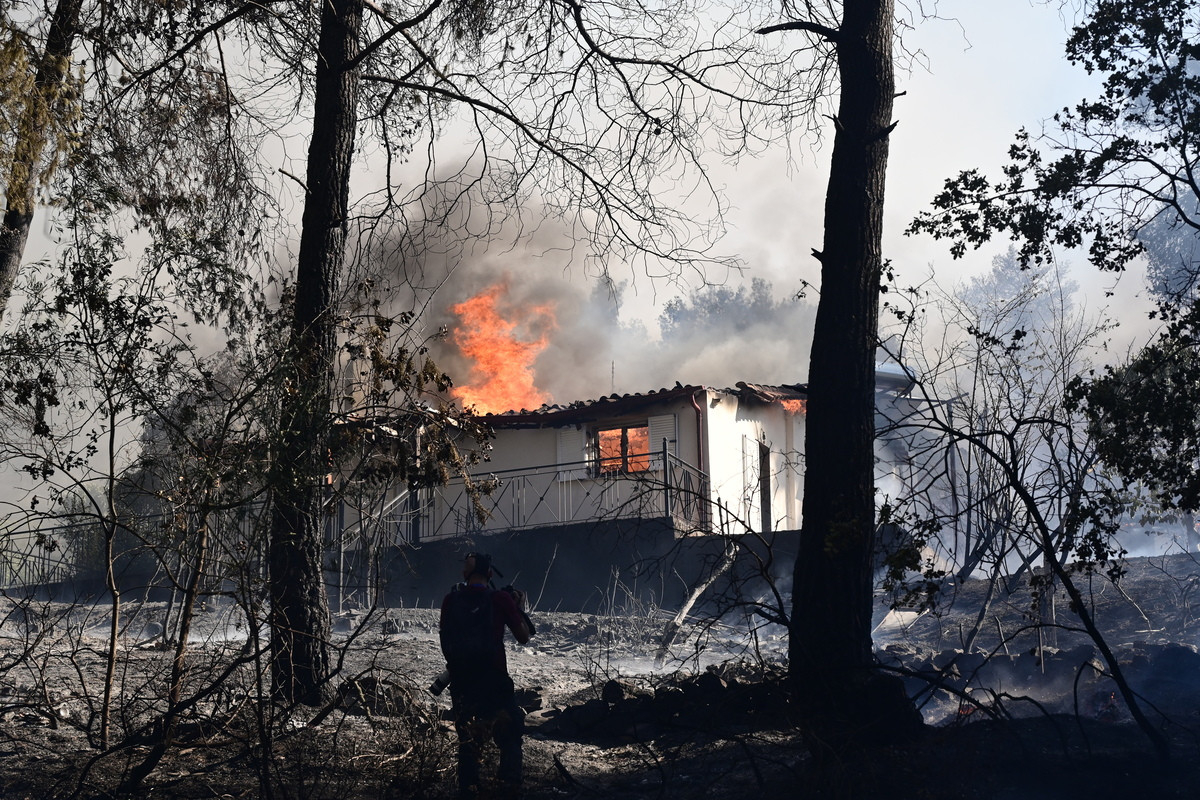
x=604 y=722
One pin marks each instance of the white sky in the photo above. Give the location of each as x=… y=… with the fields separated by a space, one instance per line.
x=991 y=67
x=984 y=68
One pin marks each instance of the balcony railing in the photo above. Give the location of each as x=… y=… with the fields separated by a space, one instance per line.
x=554 y=495
x=551 y=495
x=26 y=563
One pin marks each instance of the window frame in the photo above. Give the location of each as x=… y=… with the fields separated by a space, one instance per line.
x=630 y=461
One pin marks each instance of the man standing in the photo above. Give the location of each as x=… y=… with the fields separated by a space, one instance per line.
x=473 y=619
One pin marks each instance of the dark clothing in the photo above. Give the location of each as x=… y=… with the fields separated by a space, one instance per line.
x=504 y=614
x=503 y=722
x=484 y=704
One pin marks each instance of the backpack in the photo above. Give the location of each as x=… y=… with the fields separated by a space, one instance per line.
x=467 y=632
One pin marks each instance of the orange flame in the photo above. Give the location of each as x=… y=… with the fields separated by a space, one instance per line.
x=501 y=376
x=794 y=407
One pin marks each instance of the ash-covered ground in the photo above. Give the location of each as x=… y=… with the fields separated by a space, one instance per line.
x=606 y=717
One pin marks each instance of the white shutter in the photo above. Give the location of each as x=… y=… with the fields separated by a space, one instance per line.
x=749 y=477
x=662 y=427
x=572 y=453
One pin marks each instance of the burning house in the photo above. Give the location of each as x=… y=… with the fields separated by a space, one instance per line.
x=640 y=496
x=635 y=494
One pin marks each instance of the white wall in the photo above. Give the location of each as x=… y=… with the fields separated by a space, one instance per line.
x=534 y=491
x=735 y=431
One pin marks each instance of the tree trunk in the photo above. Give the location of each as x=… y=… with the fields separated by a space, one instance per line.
x=30 y=145
x=843 y=700
x=299 y=608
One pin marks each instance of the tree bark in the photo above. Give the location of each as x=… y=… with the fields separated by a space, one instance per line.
x=299 y=614
x=842 y=698
x=31 y=140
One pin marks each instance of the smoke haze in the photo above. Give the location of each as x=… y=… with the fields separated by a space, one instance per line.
x=715 y=335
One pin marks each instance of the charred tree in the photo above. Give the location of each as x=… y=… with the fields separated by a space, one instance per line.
x=299 y=613
x=842 y=698
x=32 y=137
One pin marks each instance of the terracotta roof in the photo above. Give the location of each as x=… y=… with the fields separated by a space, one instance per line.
x=618 y=404
x=773 y=394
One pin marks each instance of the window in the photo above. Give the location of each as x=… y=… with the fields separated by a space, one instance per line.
x=630 y=447
x=624 y=449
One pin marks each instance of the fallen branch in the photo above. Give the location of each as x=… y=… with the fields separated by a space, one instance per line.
x=672 y=629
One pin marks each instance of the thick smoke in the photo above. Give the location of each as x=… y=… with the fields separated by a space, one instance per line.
x=715 y=335
x=617 y=329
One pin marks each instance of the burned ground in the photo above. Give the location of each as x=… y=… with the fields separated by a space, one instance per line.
x=1013 y=718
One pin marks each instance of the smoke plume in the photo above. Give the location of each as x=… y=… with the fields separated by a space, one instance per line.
x=715 y=335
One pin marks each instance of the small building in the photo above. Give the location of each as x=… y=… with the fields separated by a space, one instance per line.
x=701 y=460
x=630 y=497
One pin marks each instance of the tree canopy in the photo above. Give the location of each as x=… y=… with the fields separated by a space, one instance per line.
x=1107 y=168
x=1115 y=175
x=1145 y=416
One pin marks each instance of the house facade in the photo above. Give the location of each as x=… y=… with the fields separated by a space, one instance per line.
x=703 y=460
x=588 y=498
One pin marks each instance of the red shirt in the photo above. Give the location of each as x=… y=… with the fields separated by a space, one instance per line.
x=504 y=613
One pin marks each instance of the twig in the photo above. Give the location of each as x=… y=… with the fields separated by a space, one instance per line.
x=571 y=779
x=287 y=174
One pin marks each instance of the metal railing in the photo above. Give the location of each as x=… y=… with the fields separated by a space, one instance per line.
x=25 y=563
x=550 y=495
x=555 y=495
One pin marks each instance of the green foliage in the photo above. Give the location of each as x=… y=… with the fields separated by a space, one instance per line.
x=1105 y=168
x=38 y=118
x=1145 y=417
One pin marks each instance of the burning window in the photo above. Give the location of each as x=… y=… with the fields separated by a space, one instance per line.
x=625 y=449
